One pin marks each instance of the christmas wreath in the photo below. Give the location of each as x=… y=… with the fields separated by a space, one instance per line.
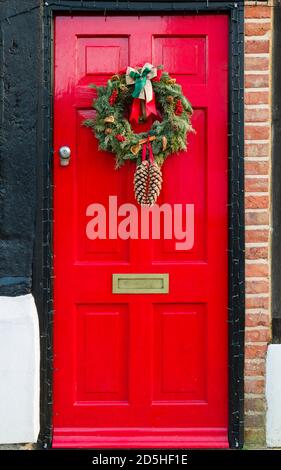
x=134 y=96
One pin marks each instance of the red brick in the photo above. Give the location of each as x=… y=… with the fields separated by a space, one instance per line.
x=254 y=404
x=257 y=115
x=257 y=46
x=259 y=336
x=256 y=81
x=256 y=150
x=256 y=202
x=256 y=236
x=257 y=319
x=253 y=368
x=254 y=385
x=256 y=168
x=256 y=270
x=256 y=184
x=257 y=302
x=256 y=97
x=255 y=437
x=254 y=11
x=256 y=132
x=254 y=420
x=257 y=29
x=253 y=351
x=257 y=333
x=256 y=63
x=256 y=218
x=257 y=287
x=255 y=252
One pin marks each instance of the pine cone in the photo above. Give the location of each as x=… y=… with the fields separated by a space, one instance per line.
x=155 y=183
x=141 y=181
x=147 y=183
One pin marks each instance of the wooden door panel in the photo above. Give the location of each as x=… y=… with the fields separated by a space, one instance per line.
x=99 y=57
x=191 y=173
x=170 y=51
x=180 y=353
x=140 y=370
x=91 y=162
x=102 y=332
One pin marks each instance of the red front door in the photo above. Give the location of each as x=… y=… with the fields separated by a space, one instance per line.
x=148 y=369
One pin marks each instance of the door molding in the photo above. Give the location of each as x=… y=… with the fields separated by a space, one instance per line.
x=43 y=250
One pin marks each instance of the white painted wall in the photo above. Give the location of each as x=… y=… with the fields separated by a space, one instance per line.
x=19 y=370
x=273 y=395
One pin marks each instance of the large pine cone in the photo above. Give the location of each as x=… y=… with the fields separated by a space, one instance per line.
x=147 y=183
x=155 y=183
x=141 y=181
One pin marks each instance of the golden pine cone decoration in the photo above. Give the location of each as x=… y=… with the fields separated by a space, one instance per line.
x=109 y=119
x=124 y=88
x=141 y=181
x=170 y=99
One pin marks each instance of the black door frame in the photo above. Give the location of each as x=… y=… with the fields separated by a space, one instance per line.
x=43 y=255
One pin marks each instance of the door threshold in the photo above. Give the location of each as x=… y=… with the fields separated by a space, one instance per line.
x=190 y=438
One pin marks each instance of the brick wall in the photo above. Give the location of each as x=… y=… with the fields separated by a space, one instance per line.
x=258 y=35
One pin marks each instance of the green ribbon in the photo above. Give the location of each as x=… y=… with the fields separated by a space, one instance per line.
x=140 y=81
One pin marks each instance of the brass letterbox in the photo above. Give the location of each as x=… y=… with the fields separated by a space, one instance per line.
x=127 y=283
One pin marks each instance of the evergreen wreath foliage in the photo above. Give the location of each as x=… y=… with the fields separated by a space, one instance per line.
x=113 y=130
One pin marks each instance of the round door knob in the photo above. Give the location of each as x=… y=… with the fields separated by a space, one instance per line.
x=64 y=153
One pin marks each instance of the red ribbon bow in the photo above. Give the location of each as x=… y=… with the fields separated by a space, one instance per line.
x=136 y=111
